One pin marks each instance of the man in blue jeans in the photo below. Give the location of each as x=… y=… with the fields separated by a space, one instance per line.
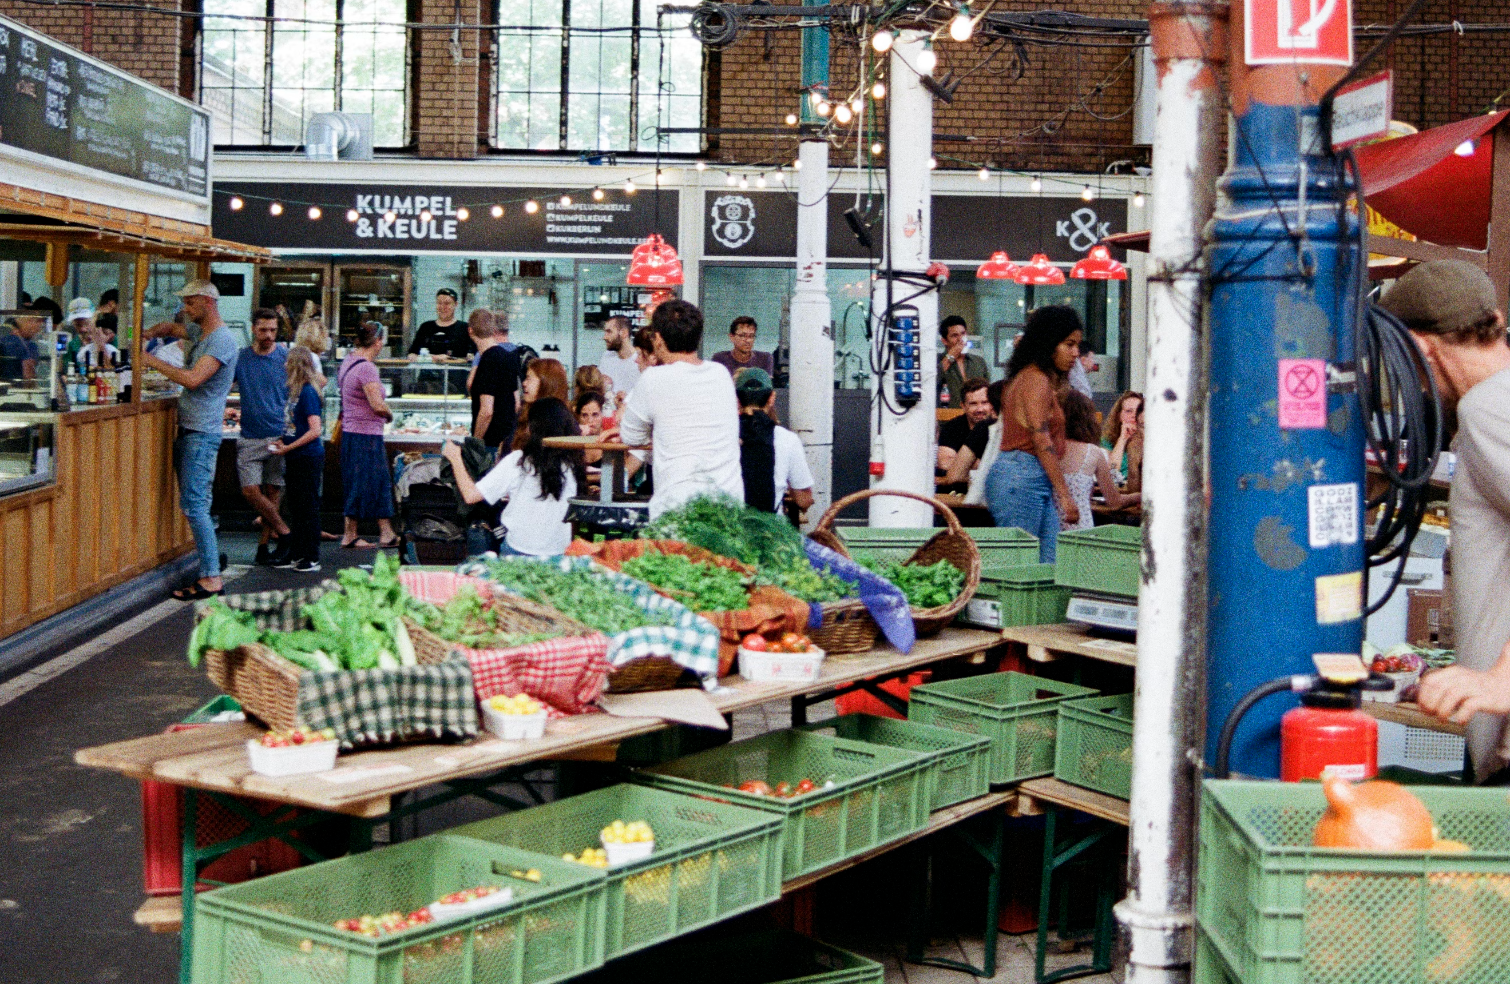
x=210 y=365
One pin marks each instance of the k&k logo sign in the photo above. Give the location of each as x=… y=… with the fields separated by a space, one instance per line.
x=1284 y=31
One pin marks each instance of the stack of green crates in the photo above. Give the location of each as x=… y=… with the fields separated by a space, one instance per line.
x=281 y=928
x=1104 y=560
x=1017 y=711
x=868 y=795
x=711 y=860
x=1273 y=909
x=1094 y=747
x=771 y=957
x=1016 y=595
x=1004 y=546
x=957 y=763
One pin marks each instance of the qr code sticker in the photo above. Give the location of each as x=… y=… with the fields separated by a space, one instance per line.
x=1333 y=514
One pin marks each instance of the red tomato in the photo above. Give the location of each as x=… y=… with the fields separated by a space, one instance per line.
x=756 y=787
x=784 y=789
x=805 y=786
x=792 y=641
x=754 y=642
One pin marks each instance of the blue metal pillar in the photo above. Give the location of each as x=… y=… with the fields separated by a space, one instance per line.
x=1280 y=273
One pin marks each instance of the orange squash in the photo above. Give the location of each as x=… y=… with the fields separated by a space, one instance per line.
x=1373 y=816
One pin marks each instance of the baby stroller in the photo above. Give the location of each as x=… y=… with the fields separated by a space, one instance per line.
x=430 y=528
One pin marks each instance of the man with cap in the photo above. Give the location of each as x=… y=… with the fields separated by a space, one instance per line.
x=956 y=365
x=94 y=350
x=770 y=456
x=1452 y=313
x=209 y=368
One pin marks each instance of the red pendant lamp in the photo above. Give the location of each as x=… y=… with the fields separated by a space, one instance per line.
x=1098 y=265
x=998 y=267
x=1039 y=272
x=654 y=263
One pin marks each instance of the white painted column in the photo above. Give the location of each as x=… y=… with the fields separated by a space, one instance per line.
x=905 y=443
x=811 y=392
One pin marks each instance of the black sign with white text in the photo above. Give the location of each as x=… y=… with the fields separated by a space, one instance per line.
x=441 y=218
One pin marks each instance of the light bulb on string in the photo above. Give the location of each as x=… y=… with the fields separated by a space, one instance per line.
x=1138 y=200
x=791 y=119
x=933 y=162
x=962 y=25
x=780 y=177
x=275 y=208
x=390 y=216
x=1036 y=184
x=463 y=213
x=877 y=149
x=927 y=60
x=760 y=181
x=351 y=215
x=629 y=187
x=824 y=108
x=1087 y=195
x=236 y=203
x=731 y=180
x=701 y=165
x=315 y=213
x=660 y=177
x=597 y=194
x=425 y=216
x=878 y=91
x=744 y=183
x=797 y=164
x=532 y=206
x=856 y=105
x=842 y=114
x=497 y=211
x=984 y=174
x=566 y=201
x=882 y=41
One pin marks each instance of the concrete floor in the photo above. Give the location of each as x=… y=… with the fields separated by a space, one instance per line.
x=70 y=837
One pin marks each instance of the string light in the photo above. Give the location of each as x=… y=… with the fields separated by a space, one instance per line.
x=1086 y=195
x=352 y=216
x=963 y=25
x=390 y=216
x=882 y=41
x=236 y=204
x=824 y=108
x=927 y=60
x=731 y=180
x=532 y=206
x=760 y=181
x=744 y=183
x=660 y=177
x=780 y=177
x=878 y=91
x=463 y=214
x=856 y=104
x=425 y=216
x=1465 y=149
x=842 y=114
x=933 y=162
x=1036 y=184
x=1138 y=200
x=629 y=187
x=984 y=174
x=315 y=213
x=877 y=149
x=597 y=194
x=275 y=208
x=566 y=201
x=497 y=211
x=797 y=164
x=701 y=165
x=791 y=119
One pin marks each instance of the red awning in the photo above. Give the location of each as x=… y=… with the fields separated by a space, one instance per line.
x=1420 y=184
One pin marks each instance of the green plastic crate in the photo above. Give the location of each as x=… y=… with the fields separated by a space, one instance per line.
x=1104 y=560
x=770 y=957
x=1094 y=747
x=958 y=763
x=278 y=929
x=999 y=546
x=711 y=860
x=219 y=705
x=1279 y=911
x=1018 y=712
x=1016 y=595
x=878 y=794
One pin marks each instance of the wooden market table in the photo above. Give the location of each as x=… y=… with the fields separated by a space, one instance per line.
x=614 y=472
x=1046 y=643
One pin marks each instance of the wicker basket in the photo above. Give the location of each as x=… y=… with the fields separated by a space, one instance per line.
x=264 y=683
x=952 y=544
x=644 y=674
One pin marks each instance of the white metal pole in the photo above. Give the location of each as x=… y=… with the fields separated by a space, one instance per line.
x=906 y=439
x=811 y=392
x=1189 y=41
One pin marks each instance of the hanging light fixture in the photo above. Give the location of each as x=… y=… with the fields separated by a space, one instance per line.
x=1098 y=264
x=236 y=203
x=927 y=59
x=496 y=211
x=463 y=214
x=962 y=25
x=878 y=91
x=998 y=267
x=654 y=263
x=882 y=41
x=1039 y=272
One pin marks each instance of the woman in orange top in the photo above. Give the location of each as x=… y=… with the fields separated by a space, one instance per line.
x=1026 y=482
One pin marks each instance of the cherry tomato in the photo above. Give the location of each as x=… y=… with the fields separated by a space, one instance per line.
x=755 y=786
x=793 y=642
x=805 y=786
x=784 y=789
x=754 y=642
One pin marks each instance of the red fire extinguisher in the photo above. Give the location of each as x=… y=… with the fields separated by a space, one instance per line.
x=1327 y=730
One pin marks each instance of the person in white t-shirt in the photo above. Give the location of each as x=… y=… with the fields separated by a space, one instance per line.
x=771 y=456
x=686 y=410
x=538 y=482
x=618 y=364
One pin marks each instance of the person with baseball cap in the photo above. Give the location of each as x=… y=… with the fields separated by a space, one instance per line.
x=1453 y=315
x=770 y=456
x=95 y=350
x=209 y=368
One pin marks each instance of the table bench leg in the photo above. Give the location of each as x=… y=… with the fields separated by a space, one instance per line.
x=989 y=851
x=1054 y=858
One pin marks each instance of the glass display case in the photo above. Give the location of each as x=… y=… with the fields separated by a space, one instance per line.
x=29 y=362
x=26 y=451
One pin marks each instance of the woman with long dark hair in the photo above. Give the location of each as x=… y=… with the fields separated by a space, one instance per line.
x=538 y=482
x=543 y=379
x=1026 y=487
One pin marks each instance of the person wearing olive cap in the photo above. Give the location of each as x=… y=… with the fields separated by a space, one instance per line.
x=770 y=456
x=1452 y=313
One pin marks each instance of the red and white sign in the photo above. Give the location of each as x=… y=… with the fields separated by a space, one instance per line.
x=1362 y=110
x=1285 y=31
x=1302 y=394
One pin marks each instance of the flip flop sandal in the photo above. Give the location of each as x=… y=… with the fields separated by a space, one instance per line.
x=196 y=592
x=389 y=544
x=358 y=544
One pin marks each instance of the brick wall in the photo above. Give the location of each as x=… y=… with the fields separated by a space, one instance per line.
x=1444 y=77
x=446 y=89
x=144 y=44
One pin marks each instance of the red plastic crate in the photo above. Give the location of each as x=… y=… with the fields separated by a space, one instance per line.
x=162 y=839
x=861 y=702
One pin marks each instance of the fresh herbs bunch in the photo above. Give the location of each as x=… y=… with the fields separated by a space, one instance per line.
x=931 y=586
x=583 y=595
x=470 y=620
x=701 y=586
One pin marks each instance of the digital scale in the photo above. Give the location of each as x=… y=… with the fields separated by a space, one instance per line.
x=1109 y=613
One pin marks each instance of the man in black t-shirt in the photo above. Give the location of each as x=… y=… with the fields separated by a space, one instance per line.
x=445 y=336
x=494 y=382
x=968 y=430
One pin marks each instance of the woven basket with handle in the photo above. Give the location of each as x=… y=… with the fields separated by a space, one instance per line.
x=951 y=543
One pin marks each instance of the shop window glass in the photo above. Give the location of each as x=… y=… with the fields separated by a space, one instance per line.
x=594 y=75
x=324 y=55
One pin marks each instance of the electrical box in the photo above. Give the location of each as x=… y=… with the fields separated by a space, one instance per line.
x=906 y=344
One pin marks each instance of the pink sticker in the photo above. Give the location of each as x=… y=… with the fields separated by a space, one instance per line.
x=1302 y=394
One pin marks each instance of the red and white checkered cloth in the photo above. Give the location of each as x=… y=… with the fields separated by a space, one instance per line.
x=566 y=674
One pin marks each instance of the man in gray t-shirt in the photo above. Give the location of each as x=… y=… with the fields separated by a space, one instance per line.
x=209 y=368
x=1451 y=310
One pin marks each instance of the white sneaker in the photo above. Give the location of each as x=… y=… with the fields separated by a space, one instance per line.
x=306 y=567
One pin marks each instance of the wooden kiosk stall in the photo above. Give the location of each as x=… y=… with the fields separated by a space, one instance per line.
x=106 y=181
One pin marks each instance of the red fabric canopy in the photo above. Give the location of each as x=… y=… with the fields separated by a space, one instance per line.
x=1420 y=185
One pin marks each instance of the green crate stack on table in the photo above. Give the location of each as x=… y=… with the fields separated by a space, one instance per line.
x=1005 y=546
x=1103 y=561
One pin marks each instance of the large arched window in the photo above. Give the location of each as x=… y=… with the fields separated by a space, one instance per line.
x=262 y=79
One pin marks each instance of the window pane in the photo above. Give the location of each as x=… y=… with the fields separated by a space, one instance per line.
x=671 y=80
x=528 y=83
x=303 y=66
x=373 y=69
x=233 y=74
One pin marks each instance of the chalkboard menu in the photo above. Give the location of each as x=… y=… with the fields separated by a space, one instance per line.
x=61 y=104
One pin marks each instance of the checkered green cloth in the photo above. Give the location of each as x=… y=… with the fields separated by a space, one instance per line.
x=411 y=703
x=689 y=640
x=365 y=707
